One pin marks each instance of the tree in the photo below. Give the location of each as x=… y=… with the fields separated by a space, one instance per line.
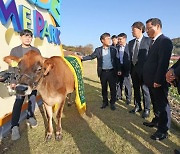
x=85 y=50
x=88 y=49
x=176 y=44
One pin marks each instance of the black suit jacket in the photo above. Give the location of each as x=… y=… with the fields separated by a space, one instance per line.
x=176 y=68
x=142 y=54
x=157 y=63
x=98 y=54
x=126 y=66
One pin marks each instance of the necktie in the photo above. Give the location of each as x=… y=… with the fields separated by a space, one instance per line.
x=152 y=41
x=135 y=55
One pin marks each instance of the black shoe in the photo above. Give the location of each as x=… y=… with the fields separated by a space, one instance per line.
x=119 y=98
x=136 y=109
x=159 y=136
x=128 y=102
x=150 y=124
x=146 y=113
x=177 y=151
x=113 y=107
x=104 y=105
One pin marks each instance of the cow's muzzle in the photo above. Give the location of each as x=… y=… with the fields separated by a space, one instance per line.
x=23 y=89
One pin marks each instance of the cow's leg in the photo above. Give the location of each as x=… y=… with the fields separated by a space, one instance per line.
x=59 y=116
x=49 y=117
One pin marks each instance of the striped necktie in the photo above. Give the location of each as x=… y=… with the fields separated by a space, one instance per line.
x=135 y=54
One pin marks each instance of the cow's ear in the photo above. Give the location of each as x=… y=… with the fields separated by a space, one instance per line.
x=12 y=60
x=47 y=67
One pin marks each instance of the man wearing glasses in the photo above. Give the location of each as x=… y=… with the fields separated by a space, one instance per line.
x=154 y=75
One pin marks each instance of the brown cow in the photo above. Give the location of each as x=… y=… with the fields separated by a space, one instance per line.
x=52 y=78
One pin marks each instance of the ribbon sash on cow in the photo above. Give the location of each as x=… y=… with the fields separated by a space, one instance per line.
x=75 y=66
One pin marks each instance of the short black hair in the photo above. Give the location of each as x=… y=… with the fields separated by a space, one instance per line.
x=122 y=35
x=114 y=36
x=155 y=21
x=139 y=25
x=104 y=35
x=26 y=32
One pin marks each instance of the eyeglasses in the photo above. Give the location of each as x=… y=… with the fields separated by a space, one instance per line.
x=147 y=29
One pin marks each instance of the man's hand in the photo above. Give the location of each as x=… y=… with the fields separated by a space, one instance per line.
x=13 y=86
x=156 y=85
x=119 y=73
x=81 y=57
x=170 y=76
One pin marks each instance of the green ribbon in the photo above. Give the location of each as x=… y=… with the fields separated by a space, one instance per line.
x=73 y=61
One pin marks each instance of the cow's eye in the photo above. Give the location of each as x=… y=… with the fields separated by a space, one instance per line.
x=39 y=68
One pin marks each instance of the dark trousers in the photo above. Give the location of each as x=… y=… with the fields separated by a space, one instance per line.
x=18 y=105
x=139 y=86
x=126 y=82
x=161 y=108
x=108 y=78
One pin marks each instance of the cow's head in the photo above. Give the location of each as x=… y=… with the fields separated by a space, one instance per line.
x=32 y=68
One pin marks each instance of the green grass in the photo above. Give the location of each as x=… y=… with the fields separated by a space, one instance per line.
x=174 y=93
x=97 y=132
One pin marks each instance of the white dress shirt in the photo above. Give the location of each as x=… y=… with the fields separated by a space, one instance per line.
x=121 y=53
x=154 y=39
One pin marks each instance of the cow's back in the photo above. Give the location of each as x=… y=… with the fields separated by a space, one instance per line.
x=60 y=79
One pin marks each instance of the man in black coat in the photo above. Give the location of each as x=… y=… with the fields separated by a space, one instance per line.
x=114 y=39
x=107 y=68
x=125 y=65
x=154 y=75
x=139 y=48
x=173 y=75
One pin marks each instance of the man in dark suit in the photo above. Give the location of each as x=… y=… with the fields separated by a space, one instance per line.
x=124 y=74
x=114 y=39
x=154 y=75
x=139 y=48
x=173 y=75
x=107 y=68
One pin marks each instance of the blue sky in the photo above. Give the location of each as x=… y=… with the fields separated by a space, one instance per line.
x=83 y=21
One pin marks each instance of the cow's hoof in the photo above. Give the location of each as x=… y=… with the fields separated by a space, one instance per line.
x=48 y=137
x=58 y=137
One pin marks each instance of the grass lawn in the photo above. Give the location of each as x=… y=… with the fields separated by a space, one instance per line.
x=97 y=132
